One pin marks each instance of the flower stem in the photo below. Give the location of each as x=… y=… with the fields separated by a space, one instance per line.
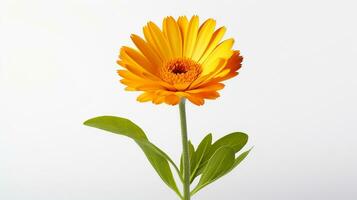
x=185 y=153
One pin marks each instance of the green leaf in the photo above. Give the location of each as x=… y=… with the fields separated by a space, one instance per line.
x=202 y=149
x=223 y=172
x=117 y=125
x=160 y=164
x=220 y=162
x=241 y=157
x=235 y=140
x=181 y=165
x=158 y=159
x=191 y=152
x=238 y=160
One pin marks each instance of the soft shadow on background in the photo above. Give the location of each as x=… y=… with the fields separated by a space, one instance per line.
x=296 y=98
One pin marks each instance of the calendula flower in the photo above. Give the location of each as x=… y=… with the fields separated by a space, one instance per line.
x=181 y=60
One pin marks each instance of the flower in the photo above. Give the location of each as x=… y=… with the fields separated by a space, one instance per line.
x=183 y=60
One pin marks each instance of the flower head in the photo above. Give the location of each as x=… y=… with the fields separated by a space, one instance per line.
x=183 y=59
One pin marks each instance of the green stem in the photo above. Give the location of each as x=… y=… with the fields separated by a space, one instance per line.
x=185 y=153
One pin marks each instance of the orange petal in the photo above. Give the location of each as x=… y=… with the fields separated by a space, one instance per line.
x=190 y=37
x=229 y=71
x=172 y=99
x=143 y=86
x=216 y=38
x=223 y=50
x=192 y=98
x=172 y=32
x=150 y=41
x=148 y=51
x=204 y=36
x=146 y=96
x=158 y=99
x=141 y=81
x=160 y=41
x=139 y=59
x=219 y=64
x=208 y=87
x=183 y=25
x=208 y=95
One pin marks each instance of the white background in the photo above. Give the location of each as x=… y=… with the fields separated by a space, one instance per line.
x=295 y=97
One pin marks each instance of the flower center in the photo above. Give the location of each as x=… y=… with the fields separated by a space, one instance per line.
x=180 y=70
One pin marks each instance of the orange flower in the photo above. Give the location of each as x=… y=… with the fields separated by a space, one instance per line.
x=183 y=60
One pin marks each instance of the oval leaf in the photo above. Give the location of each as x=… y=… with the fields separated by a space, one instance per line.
x=160 y=164
x=221 y=162
x=235 y=140
x=158 y=159
x=238 y=160
x=202 y=149
x=117 y=125
x=191 y=153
